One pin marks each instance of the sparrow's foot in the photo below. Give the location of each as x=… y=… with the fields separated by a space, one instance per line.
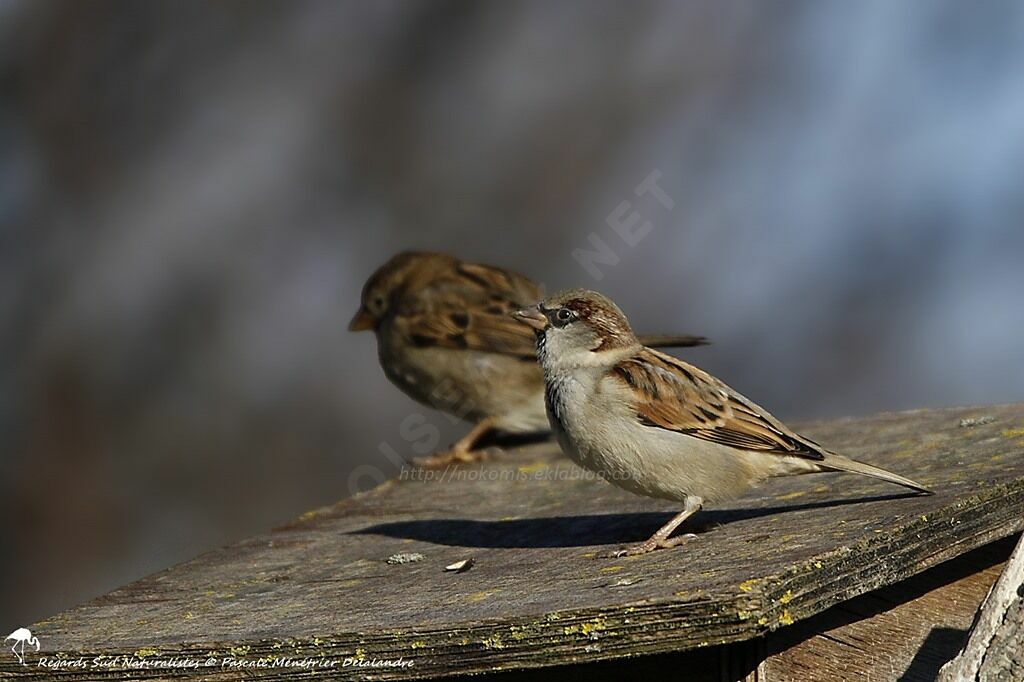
x=440 y=460
x=651 y=545
x=463 y=451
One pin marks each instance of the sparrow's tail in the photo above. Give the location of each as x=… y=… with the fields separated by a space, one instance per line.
x=836 y=462
x=672 y=341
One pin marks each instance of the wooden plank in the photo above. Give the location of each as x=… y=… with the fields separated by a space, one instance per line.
x=995 y=650
x=900 y=632
x=537 y=594
x=904 y=631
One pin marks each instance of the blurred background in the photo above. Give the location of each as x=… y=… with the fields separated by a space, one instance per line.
x=192 y=194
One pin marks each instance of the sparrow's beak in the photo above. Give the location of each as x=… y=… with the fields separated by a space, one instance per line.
x=362 y=321
x=532 y=317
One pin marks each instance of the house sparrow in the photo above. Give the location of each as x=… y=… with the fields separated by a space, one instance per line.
x=446 y=338
x=655 y=425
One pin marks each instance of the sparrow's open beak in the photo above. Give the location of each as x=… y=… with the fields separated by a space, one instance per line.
x=362 y=321
x=532 y=317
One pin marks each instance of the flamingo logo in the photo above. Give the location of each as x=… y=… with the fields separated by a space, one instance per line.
x=21 y=637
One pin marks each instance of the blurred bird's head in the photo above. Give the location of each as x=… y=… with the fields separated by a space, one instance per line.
x=390 y=282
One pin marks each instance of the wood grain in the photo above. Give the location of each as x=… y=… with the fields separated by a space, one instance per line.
x=995 y=650
x=538 y=594
x=904 y=631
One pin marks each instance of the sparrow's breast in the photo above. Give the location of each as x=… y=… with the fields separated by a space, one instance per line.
x=406 y=368
x=599 y=429
x=469 y=384
x=567 y=398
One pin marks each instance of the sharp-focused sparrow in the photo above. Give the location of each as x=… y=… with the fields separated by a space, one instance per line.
x=655 y=425
x=446 y=338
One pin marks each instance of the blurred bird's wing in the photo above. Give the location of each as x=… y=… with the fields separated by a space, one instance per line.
x=459 y=305
x=470 y=306
x=671 y=394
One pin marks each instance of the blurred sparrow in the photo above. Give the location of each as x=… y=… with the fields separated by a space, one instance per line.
x=655 y=425
x=445 y=336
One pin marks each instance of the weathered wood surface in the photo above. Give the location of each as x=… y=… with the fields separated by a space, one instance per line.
x=538 y=595
x=995 y=650
x=904 y=631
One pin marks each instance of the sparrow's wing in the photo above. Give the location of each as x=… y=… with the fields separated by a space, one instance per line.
x=494 y=281
x=677 y=396
x=470 y=307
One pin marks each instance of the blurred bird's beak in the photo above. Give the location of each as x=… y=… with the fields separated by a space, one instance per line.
x=362 y=321
x=532 y=317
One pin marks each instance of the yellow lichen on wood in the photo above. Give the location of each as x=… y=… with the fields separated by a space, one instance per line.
x=533 y=468
x=494 y=642
x=588 y=628
x=479 y=596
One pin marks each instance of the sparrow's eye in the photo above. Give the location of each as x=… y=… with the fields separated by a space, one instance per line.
x=377 y=304
x=565 y=316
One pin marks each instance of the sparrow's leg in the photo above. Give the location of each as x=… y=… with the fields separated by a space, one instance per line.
x=461 y=452
x=661 y=539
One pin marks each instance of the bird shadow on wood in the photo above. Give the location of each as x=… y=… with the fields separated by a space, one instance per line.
x=583 y=530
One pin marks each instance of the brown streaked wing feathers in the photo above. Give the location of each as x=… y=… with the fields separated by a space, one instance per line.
x=679 y=397
x=471 y=307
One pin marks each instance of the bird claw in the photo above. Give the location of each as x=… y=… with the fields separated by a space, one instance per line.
x=650 y=546
x=451 y=457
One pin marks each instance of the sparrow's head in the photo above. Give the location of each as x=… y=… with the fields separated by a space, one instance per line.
x=578 y=328
x=389 y=283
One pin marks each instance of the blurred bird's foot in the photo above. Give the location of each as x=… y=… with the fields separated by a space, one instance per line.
x=464 y=451
x=454 y=456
